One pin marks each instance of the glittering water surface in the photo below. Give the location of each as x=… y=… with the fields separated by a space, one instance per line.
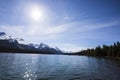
x=57 y=67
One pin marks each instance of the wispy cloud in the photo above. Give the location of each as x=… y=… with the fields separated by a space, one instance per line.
x=33 y=32
x=53 y=30
x=71 y=47
x=12 y=30
x=45 y=30
x=80 y=26
x=41 y=32
x=94 y=26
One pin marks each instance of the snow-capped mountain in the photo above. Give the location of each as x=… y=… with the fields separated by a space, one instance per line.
x=42 y=46
x=14 y=45
x=45 y=47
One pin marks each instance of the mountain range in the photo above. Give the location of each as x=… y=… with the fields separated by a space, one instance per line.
x=13 y=45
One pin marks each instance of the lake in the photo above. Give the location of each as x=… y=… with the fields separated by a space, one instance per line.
x=57 y=67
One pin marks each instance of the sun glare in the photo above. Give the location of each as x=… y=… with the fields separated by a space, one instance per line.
x=36 y=13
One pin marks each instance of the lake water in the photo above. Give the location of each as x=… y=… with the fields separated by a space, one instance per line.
x=57 y=67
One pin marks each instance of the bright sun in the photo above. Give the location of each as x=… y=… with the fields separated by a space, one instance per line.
x=36 y=13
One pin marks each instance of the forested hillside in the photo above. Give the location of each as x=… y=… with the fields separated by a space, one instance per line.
x=110 y=51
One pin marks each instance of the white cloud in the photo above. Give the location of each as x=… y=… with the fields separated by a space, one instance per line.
x=87 y=25
x=13 y=30
x=50 y=30
x=41 y=32
x=33 y=32
x=93 y=26
x=70 y=47
x=54 y=31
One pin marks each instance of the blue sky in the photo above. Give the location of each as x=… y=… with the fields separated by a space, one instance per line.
x=71 y=25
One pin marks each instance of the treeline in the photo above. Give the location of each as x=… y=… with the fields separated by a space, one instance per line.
x=110 y=51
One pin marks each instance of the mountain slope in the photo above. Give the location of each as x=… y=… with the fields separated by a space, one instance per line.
x=12 y=45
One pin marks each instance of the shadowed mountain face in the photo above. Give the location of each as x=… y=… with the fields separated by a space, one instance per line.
x=46 y=48
x=12 y=45
x=2 y=33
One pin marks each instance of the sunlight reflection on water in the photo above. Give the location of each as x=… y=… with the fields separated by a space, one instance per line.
x=57 y=67
x=30 y=73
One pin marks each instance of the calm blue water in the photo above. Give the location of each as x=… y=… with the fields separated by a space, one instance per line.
x=57 y=67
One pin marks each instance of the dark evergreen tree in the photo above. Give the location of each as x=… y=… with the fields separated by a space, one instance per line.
x=105 y=49
x=98 y=51
x=110 y=51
